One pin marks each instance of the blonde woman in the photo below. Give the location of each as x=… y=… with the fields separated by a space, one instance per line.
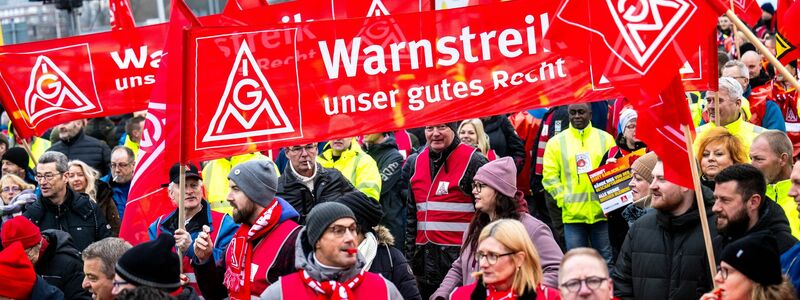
x=84 y=179
x=15 y=193
x=509 y=266
x=471 y=132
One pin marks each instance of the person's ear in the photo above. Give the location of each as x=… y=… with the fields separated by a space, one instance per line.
x=519 y=258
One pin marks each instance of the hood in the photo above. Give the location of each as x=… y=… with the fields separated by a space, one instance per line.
x=492 y=124
x=288 y=213
x=388 y=144
x=58 y=243
x=383 y=235
x=304 y=259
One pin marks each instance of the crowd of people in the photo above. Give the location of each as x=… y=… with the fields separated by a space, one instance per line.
x=499 y=207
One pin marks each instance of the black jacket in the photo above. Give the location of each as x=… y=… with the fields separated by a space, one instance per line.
x=431 y=262
x=771 y=220
x=78 y=216
x=329 y=185
x=105 y=202
x=90 y=150
x=664 y=257
x=392 y=265
x=390 y=165
x=61 y=265
x=44 y=291
x=503 y=139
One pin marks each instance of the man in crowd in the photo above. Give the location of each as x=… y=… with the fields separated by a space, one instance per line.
x=99 y=260
x=215 y=179
x=583 y=274
x=152 y=264
x=647 y=266
x=742 y=208
x=133 y=133
x=75 y=144
x=359 y=168
x=61 y=208
x=438 y=181
x=568 y=157
x=730 y=113
x=762 y=112
x=18 y=279
x=305 y=183
x=327 y=261
x=790 y=258
x=382 y=147
x=771 y=153
x=52 y=254
x=122 y=165
x=198 y=214
x=264 y=246
x=15 y=162
x=785 y=95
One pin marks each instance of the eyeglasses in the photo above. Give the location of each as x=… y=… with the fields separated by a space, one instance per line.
x=339 y=230
x=477 y=186
x=310 y=148
x=592 y=282
x=119 y=165
x=47 y=177
x=118 y=283
x=491 y=257
x=8 y=189
x=723 y=271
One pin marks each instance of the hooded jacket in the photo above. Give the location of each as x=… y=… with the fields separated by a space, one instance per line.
x=390 y=165
x=61 y=265
x=771 y=220
x=87 y=149
x=329 y=184
x=390 y=263
x=78 y=216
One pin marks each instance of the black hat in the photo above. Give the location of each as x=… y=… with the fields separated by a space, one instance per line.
x=17 y=156
x=768 y=8
x=322 y=216
x=175 y=173
x=367 y=210
x=152 y=264
x=755 y=256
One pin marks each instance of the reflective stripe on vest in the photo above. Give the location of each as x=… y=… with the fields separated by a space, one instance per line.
x=403 y=143
x=373 y=288
x=265 y=254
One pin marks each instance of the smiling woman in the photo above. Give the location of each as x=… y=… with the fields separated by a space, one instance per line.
x=719 y=149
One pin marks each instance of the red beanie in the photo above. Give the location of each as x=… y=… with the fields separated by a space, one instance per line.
x=16 y=273
x=20 y=229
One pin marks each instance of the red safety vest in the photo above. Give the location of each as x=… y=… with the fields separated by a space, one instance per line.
x=403 y=143
x=265 y=253
x=443 y=210
x=373 y=287
x=787 y=101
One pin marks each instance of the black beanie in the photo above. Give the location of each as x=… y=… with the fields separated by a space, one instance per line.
x=755 y=256
x=322 y=216
x=17 y=156
x=768 y=8
x=453 y=126
x=367 y=210
x=152 y=264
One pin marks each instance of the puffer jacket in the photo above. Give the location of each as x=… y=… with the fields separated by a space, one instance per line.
x=105 y=202
x=61 y=265
x=503 y=139
x=92 y=151
x=390 y=165
x=78 y=216
x=392 y=265
x=329 y=184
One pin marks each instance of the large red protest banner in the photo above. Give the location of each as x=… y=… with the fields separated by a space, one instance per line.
x=296 y=83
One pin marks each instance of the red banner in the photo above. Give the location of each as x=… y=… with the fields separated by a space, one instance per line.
x=290 y=84
x=747 y=10
x=314 y=10
x=788 y=36
x=120 y=15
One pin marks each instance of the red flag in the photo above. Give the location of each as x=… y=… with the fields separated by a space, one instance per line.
x=667 y=113
x=120 y=15
x=747 y=10
x=147 y=199
x=788 y=37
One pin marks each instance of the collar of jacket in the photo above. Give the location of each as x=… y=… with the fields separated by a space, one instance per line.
x=479 y=293
x=577 y=132
x=303 y=259
x=688 y=219
x=75 y=138
x=77 y=202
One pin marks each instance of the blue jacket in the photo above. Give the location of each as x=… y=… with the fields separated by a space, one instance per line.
x=224 y=234
x=44 y=291
x=773 y=117
x=790 y=265
x=120 y=193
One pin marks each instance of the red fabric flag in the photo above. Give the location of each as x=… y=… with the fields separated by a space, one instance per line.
x=147 y=199
x=747 y=10
x=120 y=15
x=788 y=37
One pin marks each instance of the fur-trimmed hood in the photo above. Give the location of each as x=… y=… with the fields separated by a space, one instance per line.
x=384 y=237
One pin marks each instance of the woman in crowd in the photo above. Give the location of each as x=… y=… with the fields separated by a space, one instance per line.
x=751 y=270
x=509 y=266
x=471 y=132
x=496 y=197
x=626 y=139
x=642 y=176
x=84 y=179
x=718 y=150
x=15 y=193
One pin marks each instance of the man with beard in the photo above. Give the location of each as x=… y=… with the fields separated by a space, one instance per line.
x=742 y=208
x=262 y=249
x=198 y=215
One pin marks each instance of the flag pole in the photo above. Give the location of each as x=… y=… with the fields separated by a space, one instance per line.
x=763 y=49
x=25 y=145
x=181 y=209
x=698 y=193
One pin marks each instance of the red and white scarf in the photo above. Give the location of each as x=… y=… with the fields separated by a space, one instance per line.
x=332 y=289
x=493 y=294
x=237 y=274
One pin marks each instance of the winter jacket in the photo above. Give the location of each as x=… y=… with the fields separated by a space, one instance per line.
x=105 y=202
x=664 y=256
x=390 y=165
x=44 y=291
x=779 y=192
x=503 y=139
x=477 y=291
x=92 y=151
x=617 y=225
x=771 y=220
x=790 y=264
x=571 y=188
x=78 y=216
x=430 y=262
x=744 y=130
x=549 y=257
x=329 y=184
x=358 y=167
x=61 y=265
x=304 y=260
x=119 y=193
x=390 y=263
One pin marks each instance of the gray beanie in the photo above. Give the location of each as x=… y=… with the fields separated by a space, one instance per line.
x=257 y=179
x=322 y=216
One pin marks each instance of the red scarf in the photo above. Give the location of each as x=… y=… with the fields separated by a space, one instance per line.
x=332 y=289
x=237 y=275
x=494 y=294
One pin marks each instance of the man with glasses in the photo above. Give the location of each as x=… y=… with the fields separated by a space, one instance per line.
x=61 y=208
x=584 y=275
x=730 y=114
x=305 y=183
x=99 y=260
x=758 y=110
x=327 y=261
x=122 y=164
x=77 y=145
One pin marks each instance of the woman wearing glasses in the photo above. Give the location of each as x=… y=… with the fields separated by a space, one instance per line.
x=84 y=179
x=509 y=266
x=15 y=193
x=496 y=198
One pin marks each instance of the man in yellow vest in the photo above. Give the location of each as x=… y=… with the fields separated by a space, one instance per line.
x=730 y=113
x=356 y=165
x=133 y=134
x=771 y=153
x=217 y=185
x=38 y=145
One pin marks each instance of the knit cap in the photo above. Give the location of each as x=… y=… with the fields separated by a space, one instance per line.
x=644 y=165
x=152 y=264
x=257 y=179
x=367 y=211
x=17 y=156
x=626 y=116
x=768 y=8
x=755 y=256
x=500 y=174
x=322 y=216
x=17 y=276
x=20 y=229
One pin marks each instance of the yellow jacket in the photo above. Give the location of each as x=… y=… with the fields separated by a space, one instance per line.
x=38 y=147
x=779 y=192
x=134 y=146
x=573 y=191
x=215 y=179
x=744 y=130
x=357 y=166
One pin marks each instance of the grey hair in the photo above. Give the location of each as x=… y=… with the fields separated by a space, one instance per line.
x=61 y=161
x=731 y=86
x=740 y=65
x=778 y=142
x=128 y=151
x=108 y=250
